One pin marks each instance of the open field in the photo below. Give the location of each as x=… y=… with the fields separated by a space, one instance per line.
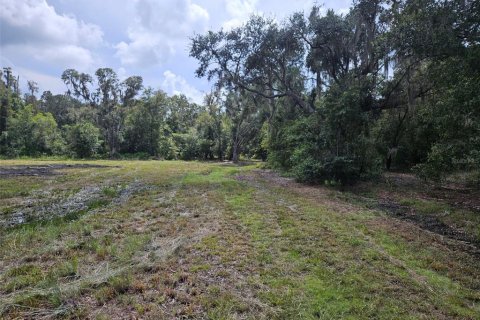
x=153 y=240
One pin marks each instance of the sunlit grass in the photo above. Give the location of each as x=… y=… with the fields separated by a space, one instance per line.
x=217 y=241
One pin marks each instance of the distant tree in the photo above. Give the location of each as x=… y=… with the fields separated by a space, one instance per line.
x=110 y=112
x=130 y=87
x=144 y=124
x=211 y=127
x=181 y=113
x=259 y=57
x=78 y=84
x=110 y=98
x=46 y=135
x=61 y=106
x=243 y=113
x=188 y=144
x=20 y=135
x=34 y=134
x=30 y=97
x=10 y=99
x=83 y=139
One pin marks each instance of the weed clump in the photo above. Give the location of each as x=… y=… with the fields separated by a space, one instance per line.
x=21 y=277
x=115 y=286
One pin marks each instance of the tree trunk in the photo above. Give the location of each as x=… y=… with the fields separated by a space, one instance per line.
x=113 y=151
x=235 y=155
x=389 y=162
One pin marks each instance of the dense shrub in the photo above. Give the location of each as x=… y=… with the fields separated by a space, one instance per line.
x=188 y=146
x=167 y=149
x=83 y=139
x=33 y=134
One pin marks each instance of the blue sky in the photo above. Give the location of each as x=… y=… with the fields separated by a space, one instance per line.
x=150 y=38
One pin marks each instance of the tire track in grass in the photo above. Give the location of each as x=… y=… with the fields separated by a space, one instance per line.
x=334 y=266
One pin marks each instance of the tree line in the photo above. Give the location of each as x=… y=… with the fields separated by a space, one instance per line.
x=393 y=84
x=101 y=116
x=326 y=97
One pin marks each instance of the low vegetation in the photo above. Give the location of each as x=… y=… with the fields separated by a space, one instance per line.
x=166 y=239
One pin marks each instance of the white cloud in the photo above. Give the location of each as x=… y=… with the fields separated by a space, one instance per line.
x=35 y=20
x=239 y=11
x=66 y=55
x=143 y=50
x=240 y=7
x=159 y=28
x=33 y=27
x=122 y=73
x=175 y=84
x=343 y=11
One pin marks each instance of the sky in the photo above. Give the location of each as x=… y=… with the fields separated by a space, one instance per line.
x=39 y=39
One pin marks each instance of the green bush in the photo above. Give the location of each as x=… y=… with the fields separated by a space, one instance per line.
x=188 y=145
x=333 y=144
x=32 y=134
x=167 y=149
x=83 y=139
x=135 y=156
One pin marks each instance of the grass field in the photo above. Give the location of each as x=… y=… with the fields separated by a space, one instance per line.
x=163 y=240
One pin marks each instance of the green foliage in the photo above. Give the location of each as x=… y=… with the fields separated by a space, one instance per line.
x=423 y=114
x=181 y=113
x=167 y=149
x=332 y=144
x=211 y=126
x=20 y=132
x=83 y=139
x=144 y=125
x=65 y=109
x=205 y=125
x=46 y=134
x=188 y=145
x=33 y=134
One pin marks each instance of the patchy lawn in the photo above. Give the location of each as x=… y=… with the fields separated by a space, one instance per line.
x=149 y=239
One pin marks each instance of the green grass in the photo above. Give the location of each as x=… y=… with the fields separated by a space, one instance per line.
x=216 y=241
x=110 y=192
x=23 y=276
x=18 y=187
x=427 y=206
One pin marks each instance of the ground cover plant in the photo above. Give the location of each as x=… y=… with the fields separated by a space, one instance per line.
x=172 y=239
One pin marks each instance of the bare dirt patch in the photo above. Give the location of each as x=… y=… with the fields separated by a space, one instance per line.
x=430 y=223
x=47 y=206
x=43 y=170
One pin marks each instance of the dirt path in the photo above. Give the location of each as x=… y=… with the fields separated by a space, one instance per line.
x=42 y=170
